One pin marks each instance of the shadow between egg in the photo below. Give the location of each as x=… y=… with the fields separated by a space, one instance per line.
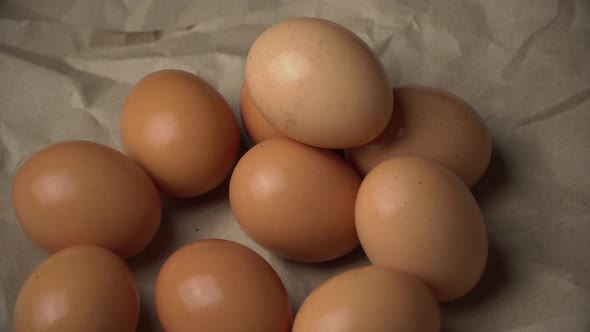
x=494 y=179
x=496 y=277
x=147 y=264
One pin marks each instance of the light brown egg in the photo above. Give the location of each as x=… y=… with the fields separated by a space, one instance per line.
x=80 y=288
x=433 y=124
x=218 y=286
x=80 y=192
x=256 y=127
x=319 y=83
x=296 y=200
x=369 y=299
x=415 y=215
x=181 y=131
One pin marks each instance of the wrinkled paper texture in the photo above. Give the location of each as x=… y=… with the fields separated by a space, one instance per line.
x=66 y=67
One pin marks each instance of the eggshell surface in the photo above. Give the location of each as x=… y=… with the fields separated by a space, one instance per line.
x=296 y=200
x=414 y=215
x=372 y=299
x=80 y=288
x=79 y=192
x=433 y=124
x=319 y=83
x=220 y=286
x=181 y=131
x=255 y=126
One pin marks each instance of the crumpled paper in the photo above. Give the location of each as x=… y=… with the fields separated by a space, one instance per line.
x=66 y=67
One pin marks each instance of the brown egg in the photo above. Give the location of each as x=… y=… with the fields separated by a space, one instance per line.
x=81 y=288
x=296 y=200
x=219 y=286
x=415 y=215
x=80 y=192
x=432 y=124
x=319 y=83
x=256 y=127
x=181 y=131
x=369 y=299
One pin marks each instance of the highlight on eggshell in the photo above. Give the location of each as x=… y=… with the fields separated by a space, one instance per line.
x=220 y=285
x=369 y=298
x=80 y=287
x=319 y=83
x=181 y=131
x=415 y=215
x=296 y=200
x=80 y=192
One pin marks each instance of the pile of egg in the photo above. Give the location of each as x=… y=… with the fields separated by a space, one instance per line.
x=340 y=159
